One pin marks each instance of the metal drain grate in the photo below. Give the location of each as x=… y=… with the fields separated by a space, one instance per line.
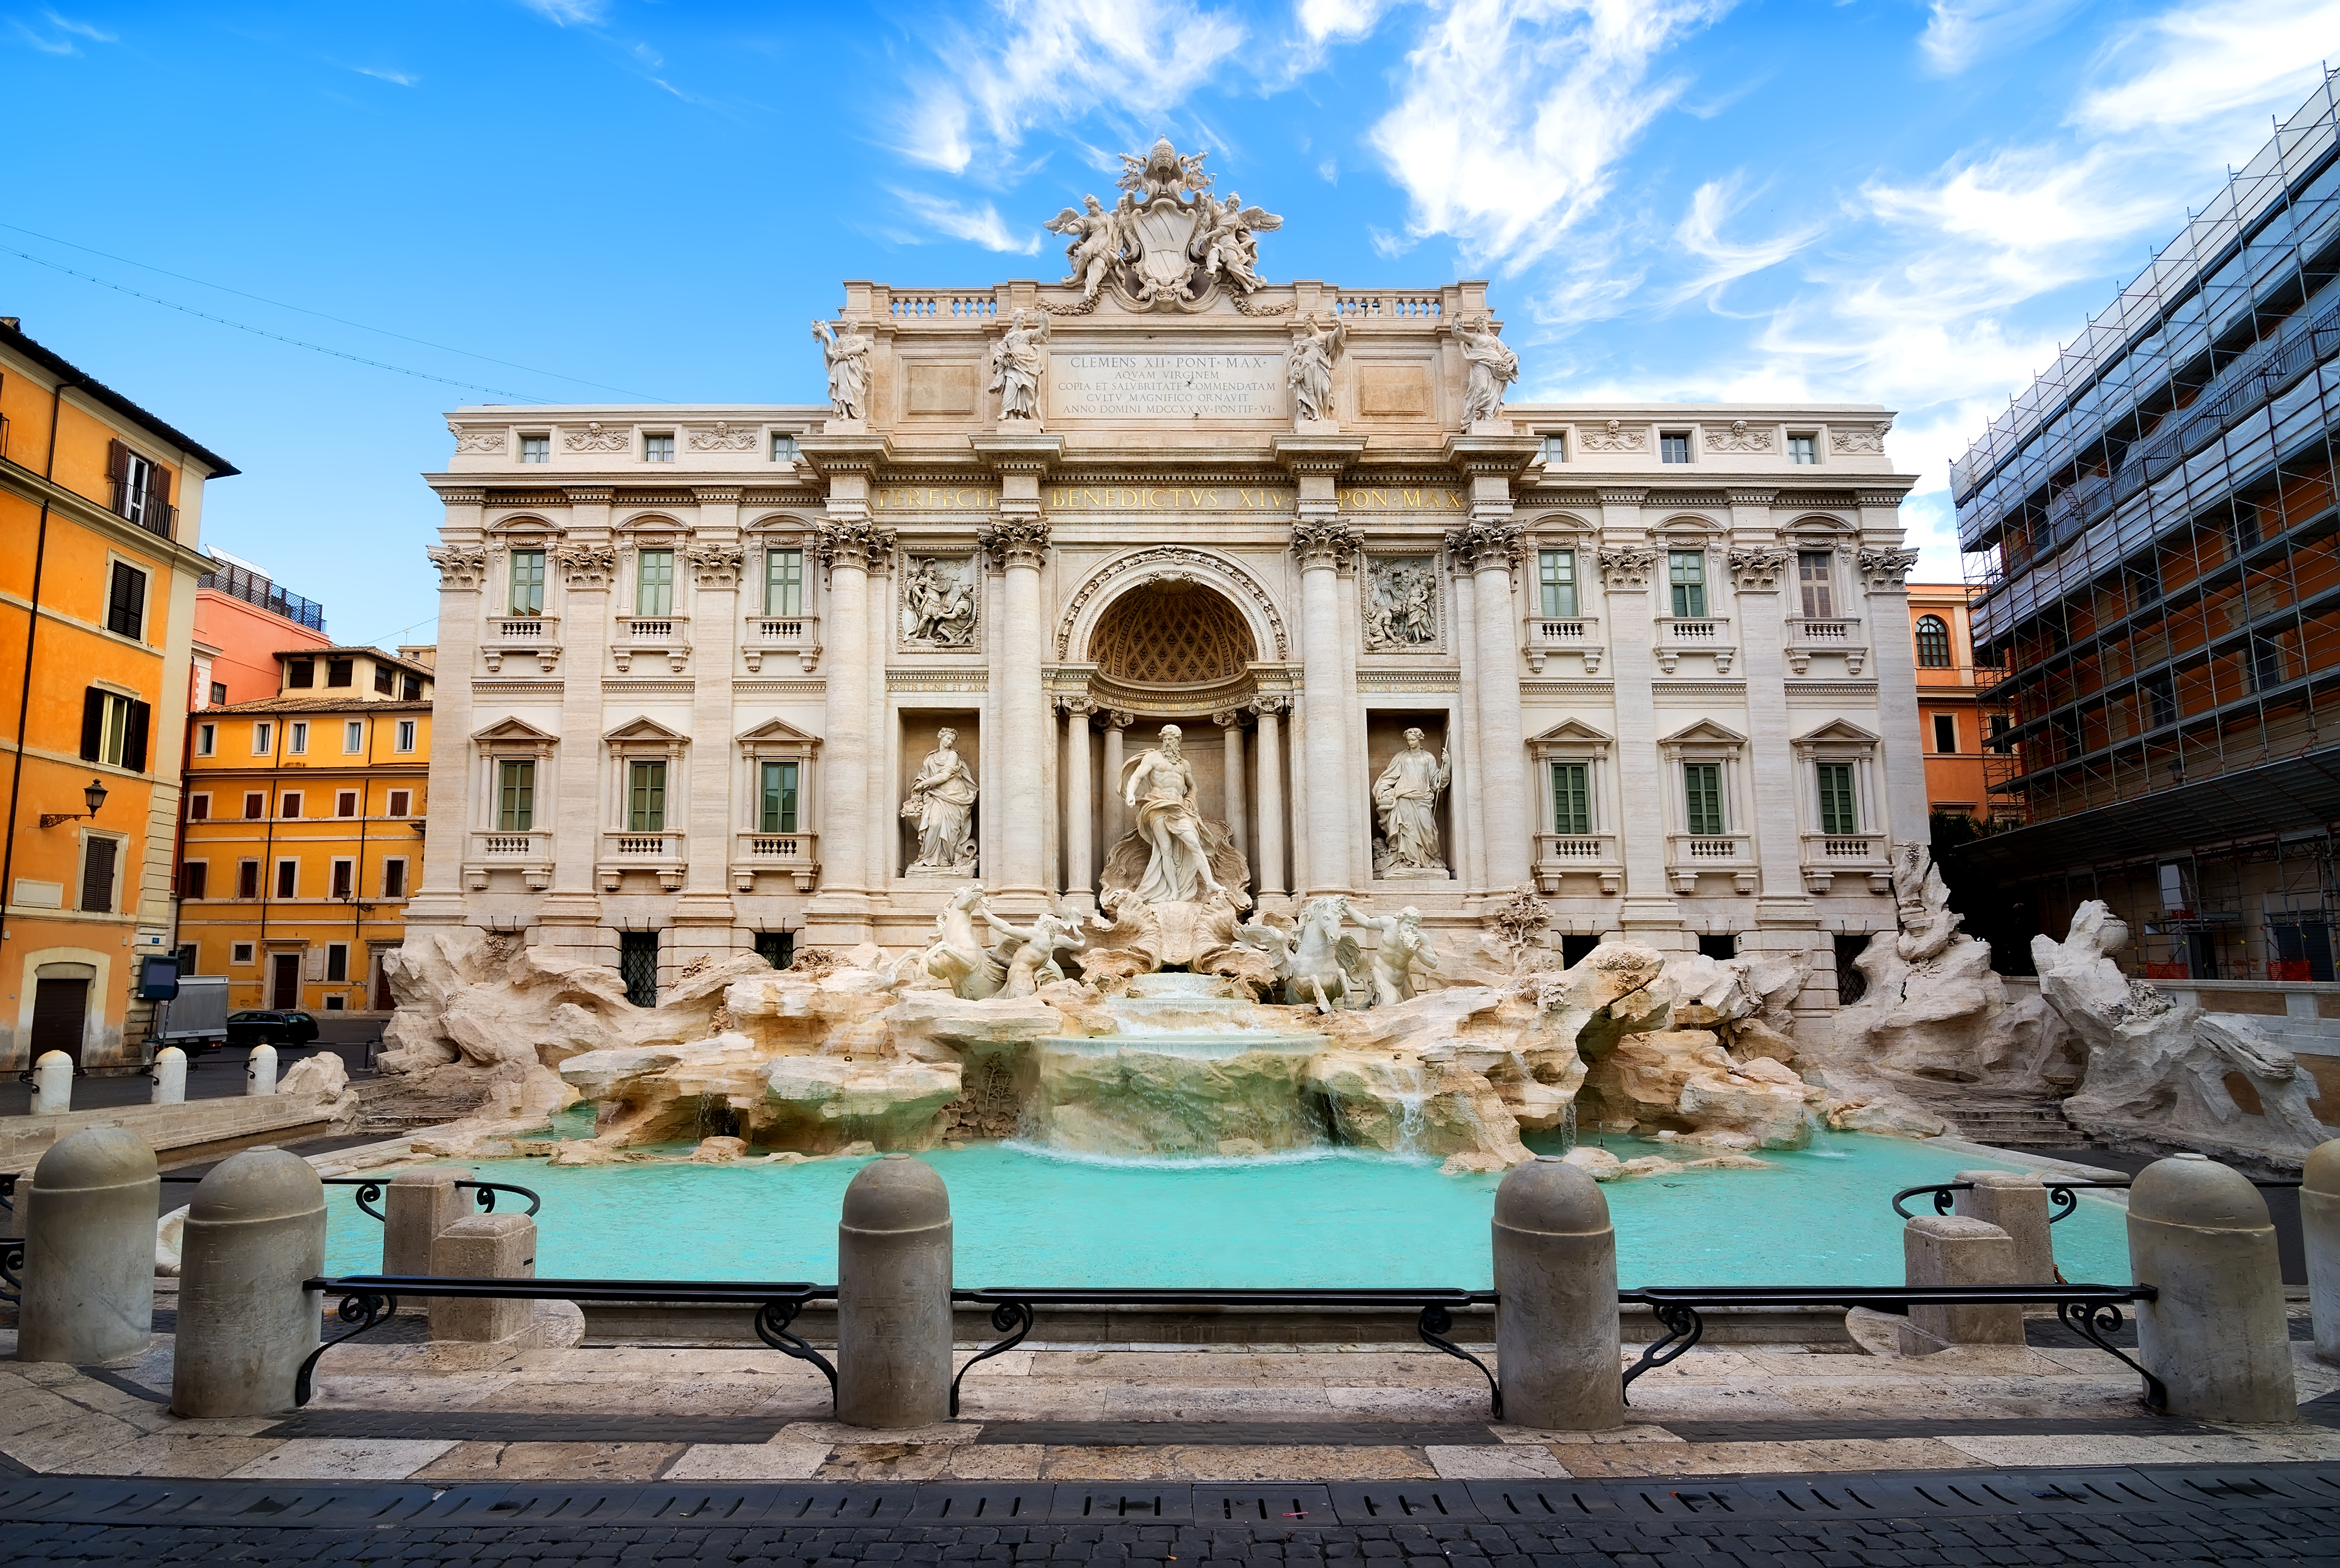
x=1404 y=1501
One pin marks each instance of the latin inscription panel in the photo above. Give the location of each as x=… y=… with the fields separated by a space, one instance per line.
x=1143 y=387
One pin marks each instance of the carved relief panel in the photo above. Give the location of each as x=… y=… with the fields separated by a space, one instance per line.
x=938 y=601
x=1400 y=608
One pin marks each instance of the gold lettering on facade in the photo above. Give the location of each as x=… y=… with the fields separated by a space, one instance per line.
x=1168 y=498
x=933 y=498
x=1403 y=498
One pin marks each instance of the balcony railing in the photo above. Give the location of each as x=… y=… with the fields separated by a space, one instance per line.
x=1560 y=854
x=526 y=850
x=242 y=583
x=525 y=636
x=141 y=506
x=1807 y=636
x=1828 y=855
x=1548 y=634
x=793 y=854
x=668 y=636
x=1688 y=854
x=1676 y=636
x=664 y=853
x=797 y=635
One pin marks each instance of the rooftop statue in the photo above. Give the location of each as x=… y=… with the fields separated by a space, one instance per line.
x=1494 y=368
x=846 y=354
x=1165 y=244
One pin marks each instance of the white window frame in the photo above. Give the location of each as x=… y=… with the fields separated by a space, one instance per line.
x=1811 y=439
x=784 y=448
x=276 y=877
x=296 y=738
x=348 y=796
x=650 y=444
x=341 y=868
x=352 y=736
x=206 y=740
x=403 y=889
x=187 y=865
x=536 y=447
x=145 y=597
x=400 y=804
x=1840 y=742
x=405 y=735
x=122 y=868
x=204 y=799
x=342 y=948
x=241 y=953
x=263 y=737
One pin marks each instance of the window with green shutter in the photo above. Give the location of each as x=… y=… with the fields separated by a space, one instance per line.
x=1556 y=579
x=515 y=797
x=1571 y=799
x=1702 y=798
x=784 y=582
x=528 y=582
x=655 y=584
x=646 y=797
x=1838 y=813
x=1686 y=571
x=779 y=804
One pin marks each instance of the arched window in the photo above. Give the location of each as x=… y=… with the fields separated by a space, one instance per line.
x=1933 y=643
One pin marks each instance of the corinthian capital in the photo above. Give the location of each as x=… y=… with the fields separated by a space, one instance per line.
x=1757 y=568
x=1886 y=570
x=854 y=543
x=460 y=567
x=1325 y=544
x=1016 y=541
x=1626 y=566
x=1483 y=546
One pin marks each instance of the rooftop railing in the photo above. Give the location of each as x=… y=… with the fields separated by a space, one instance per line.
x=241 y=583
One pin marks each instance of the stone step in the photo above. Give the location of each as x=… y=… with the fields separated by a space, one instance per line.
x=2029 y=1127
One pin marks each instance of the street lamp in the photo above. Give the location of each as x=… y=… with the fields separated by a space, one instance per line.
x=94 y=794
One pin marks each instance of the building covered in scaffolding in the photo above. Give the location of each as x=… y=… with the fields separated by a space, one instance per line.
x=2152 y=529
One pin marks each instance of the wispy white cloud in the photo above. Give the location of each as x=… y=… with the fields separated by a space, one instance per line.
x=79 y=29
x=570 y=13
x=45 y=45
x=382 y=74
x=1324 y=20
x=49 y=42
x=1700 y=233
x=1960 y=32
x=979 y=225
x=2196 y=62
x=1515 y=114
x=1058 y=61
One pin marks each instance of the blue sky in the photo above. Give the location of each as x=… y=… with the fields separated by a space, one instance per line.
x=1886 y=201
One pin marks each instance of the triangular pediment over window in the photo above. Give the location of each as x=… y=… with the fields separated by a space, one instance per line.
x=1706 y=732
x=778 y=731
x=644 y=729
x=513 y=730
x=1571 y=732
x=1841 y=731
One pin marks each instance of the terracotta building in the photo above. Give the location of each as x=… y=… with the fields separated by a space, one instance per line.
x=242 y=620
x=101 y=505
x=303 y=836
x=1951 y=724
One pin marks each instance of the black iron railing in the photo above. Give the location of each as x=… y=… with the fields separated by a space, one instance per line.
x=1013 y=1309
x=370 y=1188
x=368 y=1299
x=2063 y=1196
x=12 y=1259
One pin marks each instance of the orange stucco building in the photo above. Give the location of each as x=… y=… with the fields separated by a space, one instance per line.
x=243 y=622
x=101 y=506
x=1951 y=719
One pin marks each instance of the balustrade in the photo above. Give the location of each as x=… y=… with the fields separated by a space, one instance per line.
x=1676 y=636
x=796 y=855
x=1548 y=634
x=666 y=854
x=534 y=637
x=1841 y=635
x=1389 y=307
x=1581 y=854
x=1828 y=855
x=528 y=852
x=1689 y=854
x=797 y=635
x=666 y=635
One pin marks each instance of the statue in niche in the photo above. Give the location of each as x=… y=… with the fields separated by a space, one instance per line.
x=1406 y=798
x=942 y=803
x=1308 y=367
x=1494 y=368
x=938 y=603
x=1401 y=611
x=846 y=354
x=1404 y=948
x=1016 y=367
x=1160 y=793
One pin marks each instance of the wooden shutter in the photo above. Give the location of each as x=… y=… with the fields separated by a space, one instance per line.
x=133 y=738
x=93 y=723
x=158 y=494
x=97 y=877
x=117 y=468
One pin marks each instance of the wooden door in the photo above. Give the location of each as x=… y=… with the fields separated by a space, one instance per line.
x=284 y=980
x=60 y=1013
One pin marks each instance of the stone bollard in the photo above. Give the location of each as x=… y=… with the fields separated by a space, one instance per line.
x=1949 y=1249
x=417 y=1205
x=1556 y=1334
x=170 y=1077
x=262 y=1071
x=255 y=1231
x=2017 y=1202
x=2319 y=1227
x=53 y=1084
x=89 y=1250
x=483 y=1246
x=2198 y=1233
x=893 y=1296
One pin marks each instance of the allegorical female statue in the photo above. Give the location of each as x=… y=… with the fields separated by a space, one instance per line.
x=1160 y=793
x=1308 y=367
x=1016 y=365
x=1493 y=366
x=942 y=803
x=1406 y=797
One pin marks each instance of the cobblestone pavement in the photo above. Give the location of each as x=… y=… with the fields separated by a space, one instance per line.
x=2273 y=1514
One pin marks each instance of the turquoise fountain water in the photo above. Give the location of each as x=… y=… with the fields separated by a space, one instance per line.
x=1332 y=1217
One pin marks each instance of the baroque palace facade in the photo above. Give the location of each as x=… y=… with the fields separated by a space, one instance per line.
x=696 y=664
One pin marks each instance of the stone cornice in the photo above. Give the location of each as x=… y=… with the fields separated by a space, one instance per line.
x=1019 y=454
x=589 y=495
x=1504 y=456
x=717 y=495
x=856 y=453
x=1610 y=498
x=1317 y=454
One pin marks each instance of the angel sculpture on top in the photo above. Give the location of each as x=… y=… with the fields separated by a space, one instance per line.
x=1097 y=242
x=1163 y=172
x=1225 y=245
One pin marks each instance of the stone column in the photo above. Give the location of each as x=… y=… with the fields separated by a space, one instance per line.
x=1500 y=748
x=2214 y=1333
x=1883 y=572
x=1268 y=870
x=702 y=917
x=1951 y=1250
x=839 y=915
x=1629 y=565
x=1021 y=543
x=1116 y=811
x=462 y=563
x=1080 y=811
x=1323 y=682
x=1469 y=855
x=571 y=809
x=1231 y=723
x=1786 y=920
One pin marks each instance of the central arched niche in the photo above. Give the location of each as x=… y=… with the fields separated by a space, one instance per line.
x=1171 y=633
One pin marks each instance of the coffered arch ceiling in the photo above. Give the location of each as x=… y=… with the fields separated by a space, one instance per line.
x=1166 y=634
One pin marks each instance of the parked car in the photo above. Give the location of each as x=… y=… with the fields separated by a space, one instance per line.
x=287 y=1026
